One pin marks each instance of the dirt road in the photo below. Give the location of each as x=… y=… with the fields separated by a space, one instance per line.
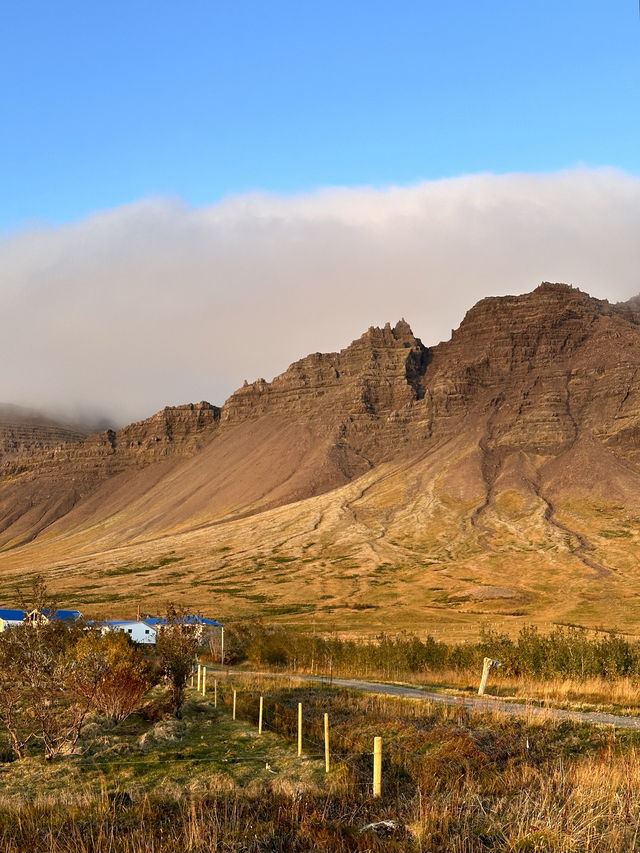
x=470 y=703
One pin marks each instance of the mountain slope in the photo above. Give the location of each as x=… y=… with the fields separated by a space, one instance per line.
x=495 y=475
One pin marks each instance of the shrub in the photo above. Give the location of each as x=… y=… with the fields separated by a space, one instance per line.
x=110 y=671
x=176 y=646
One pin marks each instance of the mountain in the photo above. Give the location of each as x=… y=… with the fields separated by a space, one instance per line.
x=495 y=476
x=26 y=431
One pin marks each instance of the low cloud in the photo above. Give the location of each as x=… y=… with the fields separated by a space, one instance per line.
x=157 y=303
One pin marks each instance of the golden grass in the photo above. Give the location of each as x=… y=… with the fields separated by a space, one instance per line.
x=359 y=560
x=451 y=782
x=618 y=696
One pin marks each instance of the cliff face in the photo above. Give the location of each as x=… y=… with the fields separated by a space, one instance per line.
x=355 y=396
x=539 y=369
x=542 y=368
x=23 y=432
x=40 y=486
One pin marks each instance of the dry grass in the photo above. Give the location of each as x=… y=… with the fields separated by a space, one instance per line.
x=451 y=782
x=619 y=695
x=358 y=559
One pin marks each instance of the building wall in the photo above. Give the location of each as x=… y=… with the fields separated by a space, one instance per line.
x=138 y=631
x=8 y=623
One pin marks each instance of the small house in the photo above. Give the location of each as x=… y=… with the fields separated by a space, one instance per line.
x=43 y=617
x=139 y=632
x=10 y=618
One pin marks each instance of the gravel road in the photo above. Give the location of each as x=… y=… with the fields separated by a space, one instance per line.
x=470 y=703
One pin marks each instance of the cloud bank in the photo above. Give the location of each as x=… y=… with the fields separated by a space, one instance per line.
x=156 y=303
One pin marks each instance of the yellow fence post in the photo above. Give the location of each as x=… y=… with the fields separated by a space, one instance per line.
x=260 y=718
x=299 y=729
x=215 y=693
x=377 y=766
x=326 y=743
x=204 y=681
x=234 y=705
x=198 y=678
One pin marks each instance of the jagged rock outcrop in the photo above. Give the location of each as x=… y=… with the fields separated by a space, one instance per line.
x=356 y=395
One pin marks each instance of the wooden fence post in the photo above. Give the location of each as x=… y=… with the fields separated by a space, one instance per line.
x=204 y=681
x=234 y=705
x=299 y=729
x=486 y=668
x=215 y=693
x=198 y=678
x=260 y=717
x=377 y=766
x=326 y=743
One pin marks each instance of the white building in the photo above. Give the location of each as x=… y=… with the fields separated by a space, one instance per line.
x=139 y=632
x=10 y=618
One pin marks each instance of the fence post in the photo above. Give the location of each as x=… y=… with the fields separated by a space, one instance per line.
x=198 y=678
x=377 y=766
x=260 y=717
x=234 y=705
x=299 y=729
x=215 y=693
x=486 y=668
x=326 y=743
x=204 y=681
x=222 y=646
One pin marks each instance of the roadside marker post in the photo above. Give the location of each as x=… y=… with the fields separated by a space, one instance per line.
x=487 y=666
x=377 y=766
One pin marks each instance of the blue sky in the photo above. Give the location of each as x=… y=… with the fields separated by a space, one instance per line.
x=197 y=193
x=106 y=103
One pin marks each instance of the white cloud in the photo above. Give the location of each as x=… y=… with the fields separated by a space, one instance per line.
x=156 y=303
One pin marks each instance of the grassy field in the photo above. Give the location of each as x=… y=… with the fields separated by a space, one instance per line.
x=452 y=781
x=398 y=548
x=204 y=751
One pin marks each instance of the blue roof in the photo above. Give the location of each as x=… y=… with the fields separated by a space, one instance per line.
x=15 y=615
x=123 y=622
x=63 y=615
x=189 y=620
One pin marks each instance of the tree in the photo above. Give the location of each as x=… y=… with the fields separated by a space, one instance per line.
x=37 y=696
x=176 y=645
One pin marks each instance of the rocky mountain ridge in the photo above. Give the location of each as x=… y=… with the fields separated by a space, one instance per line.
x=519 y=435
